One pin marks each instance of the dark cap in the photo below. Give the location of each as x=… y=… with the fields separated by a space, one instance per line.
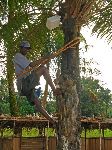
x=25 y=44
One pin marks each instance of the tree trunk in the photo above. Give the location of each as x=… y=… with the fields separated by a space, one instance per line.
x=12 y=97
x=68 y=103
x=8 y=36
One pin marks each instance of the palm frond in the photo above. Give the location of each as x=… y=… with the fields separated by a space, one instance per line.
x=103 y=21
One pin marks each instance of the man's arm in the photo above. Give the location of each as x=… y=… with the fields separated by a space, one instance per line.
x=39 y=61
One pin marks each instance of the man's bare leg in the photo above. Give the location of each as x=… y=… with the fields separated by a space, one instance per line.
x=39 y=108
x=42 y=70
x=45 y=72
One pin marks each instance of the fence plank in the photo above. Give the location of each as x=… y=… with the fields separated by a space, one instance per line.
x=16 y=143
x=40 y=143
x=52 y=143
x=7 y=144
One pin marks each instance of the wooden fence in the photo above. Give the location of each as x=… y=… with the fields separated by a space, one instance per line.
x=36 y=143
x=43 y=143
x=96 y=144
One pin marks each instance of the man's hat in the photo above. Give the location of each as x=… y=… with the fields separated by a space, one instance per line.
x=25 y=44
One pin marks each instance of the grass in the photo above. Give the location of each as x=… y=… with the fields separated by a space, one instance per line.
x=28 y=132
x=96 y=133
x=34 y=132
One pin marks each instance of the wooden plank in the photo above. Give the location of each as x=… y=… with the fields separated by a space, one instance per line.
x=7 y=144
x=52 y=143
x=38 y=143
x=108 y=143
x=84 y=146
x=16 y=143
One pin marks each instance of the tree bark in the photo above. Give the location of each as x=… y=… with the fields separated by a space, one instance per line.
x=12 y=97
x=68 y=103
x=8 y=36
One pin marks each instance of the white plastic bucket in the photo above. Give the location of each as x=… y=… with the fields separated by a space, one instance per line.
x=53 y=22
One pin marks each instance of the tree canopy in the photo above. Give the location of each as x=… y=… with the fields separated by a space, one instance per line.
x=95 y=99
x=102 y=19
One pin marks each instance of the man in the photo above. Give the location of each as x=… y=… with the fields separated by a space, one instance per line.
x=26 y=82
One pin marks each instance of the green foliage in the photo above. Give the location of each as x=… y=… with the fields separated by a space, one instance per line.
x=7 y=132
x=95 y=99
x=96 y=133
x=3 y=89
x=4 y=97
x=24 y=106
x=102 y=19
x=34 y=132
x=4 y=107
x=51 y=107
x=28 y=132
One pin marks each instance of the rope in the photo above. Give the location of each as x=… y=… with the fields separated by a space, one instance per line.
x=71 y=44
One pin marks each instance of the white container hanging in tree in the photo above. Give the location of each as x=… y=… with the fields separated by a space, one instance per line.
x=53 y=22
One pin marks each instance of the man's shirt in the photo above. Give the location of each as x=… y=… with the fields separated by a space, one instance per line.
x=20 y=63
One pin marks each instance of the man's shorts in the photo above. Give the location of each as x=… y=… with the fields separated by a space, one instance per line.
x=28 y=86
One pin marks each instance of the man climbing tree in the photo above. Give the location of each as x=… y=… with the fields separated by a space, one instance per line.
x=26 y=82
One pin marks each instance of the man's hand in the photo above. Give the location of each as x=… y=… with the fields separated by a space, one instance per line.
x=42 y=61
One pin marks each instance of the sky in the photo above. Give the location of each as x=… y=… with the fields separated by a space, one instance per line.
x=101 y=52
